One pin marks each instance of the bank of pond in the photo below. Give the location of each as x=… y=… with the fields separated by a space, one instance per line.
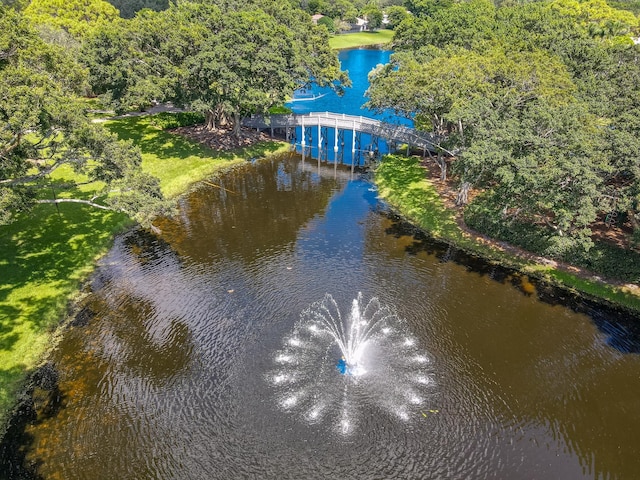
x=190 y=330
x=257 y=217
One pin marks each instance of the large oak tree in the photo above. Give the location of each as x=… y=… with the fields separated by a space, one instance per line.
x=43 y=127
x=226 y=61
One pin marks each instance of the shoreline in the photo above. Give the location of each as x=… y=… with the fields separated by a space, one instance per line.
x=422 y=205
x=32 y=394
x=33 y=351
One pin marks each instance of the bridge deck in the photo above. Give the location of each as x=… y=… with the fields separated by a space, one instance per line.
x=390 y=132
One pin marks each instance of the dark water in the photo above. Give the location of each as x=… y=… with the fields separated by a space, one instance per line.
x=168 y=368
x=166 y=373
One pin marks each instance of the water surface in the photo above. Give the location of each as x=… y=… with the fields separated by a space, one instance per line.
x=168 y=370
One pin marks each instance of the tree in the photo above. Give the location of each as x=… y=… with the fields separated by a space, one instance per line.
x=425 y=8
x=129 y=8
x=328 y=23
x=516 y=130
x=74 y=16
x=464 y=24
x=18 y=5
x=44 y=128
x=374 y=16
x=244 y=69
x=396 y=15
x=225 y=64
x=600 y=19
x=133 y=63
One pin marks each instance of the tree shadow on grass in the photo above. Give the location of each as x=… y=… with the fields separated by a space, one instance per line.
x=150 y=139
x=43 y=256
x=8 y=336
x=165 y=145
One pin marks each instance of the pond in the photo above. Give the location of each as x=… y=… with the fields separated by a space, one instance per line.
x=209 y=351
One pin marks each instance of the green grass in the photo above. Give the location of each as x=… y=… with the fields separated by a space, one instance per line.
x=46 y=255
x=178 y=162
x=360 y=39
x=43 y=259
x=403 y=184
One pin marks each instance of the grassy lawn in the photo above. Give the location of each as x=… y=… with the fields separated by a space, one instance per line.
x=178 y=162
x=46 y=255
x=360 y=39
x=43 y=259
x=402 y=183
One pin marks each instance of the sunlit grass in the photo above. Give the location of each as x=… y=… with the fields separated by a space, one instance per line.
x=360 y=39
x=43 y=259
x=402 y=182
x=178 y=162
x=47 y=254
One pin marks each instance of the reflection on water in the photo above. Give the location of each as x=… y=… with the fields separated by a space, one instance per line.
x=167 y=371
x=358 y=62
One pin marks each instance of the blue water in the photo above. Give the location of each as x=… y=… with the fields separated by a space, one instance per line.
x=358 y=63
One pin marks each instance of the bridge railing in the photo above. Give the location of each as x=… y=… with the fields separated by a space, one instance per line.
x=388 y=131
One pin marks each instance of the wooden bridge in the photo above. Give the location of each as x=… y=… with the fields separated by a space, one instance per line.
x=314 y=128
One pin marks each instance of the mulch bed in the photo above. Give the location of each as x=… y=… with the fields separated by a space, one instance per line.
x=221 y=138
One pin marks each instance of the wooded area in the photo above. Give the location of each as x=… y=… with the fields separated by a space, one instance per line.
x=536 y=104
x=223 y=59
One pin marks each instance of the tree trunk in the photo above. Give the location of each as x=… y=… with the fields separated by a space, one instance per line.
x=463 y=194
x=442 y=163
x=74 y=200
x=631 y=215
x=236 y=124
x=210 y=120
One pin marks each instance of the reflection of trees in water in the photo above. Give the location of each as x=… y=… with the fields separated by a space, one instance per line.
x=148 y=247
x=556 y=361
x=621 y=327
x=147 y=344
x=249 y=211
x=110 y=363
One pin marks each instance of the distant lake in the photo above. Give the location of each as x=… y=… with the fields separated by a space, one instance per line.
x=358 y=62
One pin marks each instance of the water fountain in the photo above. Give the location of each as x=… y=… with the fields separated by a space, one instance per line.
x=331 y=369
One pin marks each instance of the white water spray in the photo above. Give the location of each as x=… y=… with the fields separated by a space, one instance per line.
x=385 y=367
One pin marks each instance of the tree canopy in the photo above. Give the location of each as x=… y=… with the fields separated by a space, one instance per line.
x=76 y=17
x=224 y=58
x=536 y=103
x=223 y=63
x=44 y=128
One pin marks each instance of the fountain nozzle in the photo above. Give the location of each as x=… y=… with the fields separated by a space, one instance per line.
x=344 y=367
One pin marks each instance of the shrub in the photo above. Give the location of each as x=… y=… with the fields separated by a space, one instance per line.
x=280 y=110
x=168 y=120
x=603 y=258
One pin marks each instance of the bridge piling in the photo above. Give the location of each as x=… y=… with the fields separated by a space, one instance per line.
x=340 y=123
